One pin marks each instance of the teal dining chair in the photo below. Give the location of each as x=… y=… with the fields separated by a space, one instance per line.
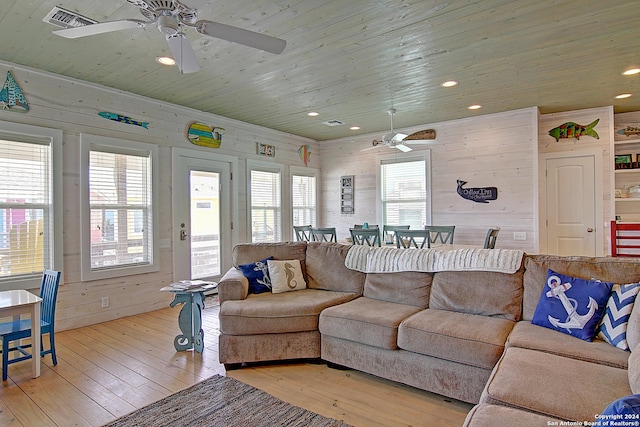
x=20 y=329
x=490 y=239
x=389 y=232
x=408 y=239
x=440 y=234
x=303 y=233
x=365 y=236
x=327 y=234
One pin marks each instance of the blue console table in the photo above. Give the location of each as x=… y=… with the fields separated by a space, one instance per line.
x=190 y=317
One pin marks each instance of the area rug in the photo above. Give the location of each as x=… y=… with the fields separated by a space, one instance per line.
x=223 y=401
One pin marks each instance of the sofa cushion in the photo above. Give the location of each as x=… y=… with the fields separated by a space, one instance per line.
x=245 y=253
x=553 y=385
x=461 y=337
x=366 y=321
x=616 y=270
x=326 y=270
x=572 y=305
x=478 y=292
x=269 y=313
x=484 y=415
x=633 y=327
x=409 y=287
x=613 y=327
x=530 y=336
x=634 y=370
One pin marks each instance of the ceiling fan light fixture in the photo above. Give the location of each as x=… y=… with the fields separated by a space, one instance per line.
x=165 y=60
x=167 y=24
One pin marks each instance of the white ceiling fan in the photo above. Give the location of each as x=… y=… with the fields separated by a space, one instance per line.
x=394 y=139
x=171 y=17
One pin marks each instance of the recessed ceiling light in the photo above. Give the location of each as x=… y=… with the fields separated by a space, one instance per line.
x=355 y=128
x=623 y=96
x=449 y=83
x=312 y=114
x=631 y=72
x=474 y=107
x=165 y=60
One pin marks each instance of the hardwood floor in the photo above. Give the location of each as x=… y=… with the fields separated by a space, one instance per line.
x=107 y=370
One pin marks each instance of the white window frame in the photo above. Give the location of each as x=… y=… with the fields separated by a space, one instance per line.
x=422 y=155
x=310 y=172
x=27 y=133
x=94 y=142
x=256 y=165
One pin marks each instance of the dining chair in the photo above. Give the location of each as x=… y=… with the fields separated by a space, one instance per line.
x=303 y=233
x=388 y=232
x=327 y=234
x=492 y=236
x=412 y=239
x=440 y=234
x=365 y=236
x=368 y=226
x=20 y=329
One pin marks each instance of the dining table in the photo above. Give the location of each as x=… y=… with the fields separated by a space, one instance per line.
x=16 y=303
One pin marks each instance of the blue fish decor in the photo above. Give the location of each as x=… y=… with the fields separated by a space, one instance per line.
x=574 y=130
x=11 y=96
x=123 y=119
x=478 y=195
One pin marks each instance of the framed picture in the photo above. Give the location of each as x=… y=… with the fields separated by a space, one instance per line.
x=623 y=158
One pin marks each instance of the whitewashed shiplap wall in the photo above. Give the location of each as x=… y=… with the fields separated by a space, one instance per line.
x=73 y=106
x=548 y=144
x=497 y=150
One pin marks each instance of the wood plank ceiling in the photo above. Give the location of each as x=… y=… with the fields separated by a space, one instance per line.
x=353 y=60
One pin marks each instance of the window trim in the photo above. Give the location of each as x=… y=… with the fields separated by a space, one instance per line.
x=90 y=142
x=422 y=155
x=17 y=131
x=302 y=171
x=258 y=165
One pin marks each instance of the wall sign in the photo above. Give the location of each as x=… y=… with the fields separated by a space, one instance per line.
x=123 y=119
x=346 y=194
x=265 y=150
x=11 y=96
x=479 y=194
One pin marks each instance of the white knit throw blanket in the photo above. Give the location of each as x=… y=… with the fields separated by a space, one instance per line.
x=389 y=260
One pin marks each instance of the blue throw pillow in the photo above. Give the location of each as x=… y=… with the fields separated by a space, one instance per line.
x=628 y=405
x=613 y=328
x=572 y=305
x=258 y=275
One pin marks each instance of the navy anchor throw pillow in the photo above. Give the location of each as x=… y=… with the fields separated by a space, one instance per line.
x=572 y=305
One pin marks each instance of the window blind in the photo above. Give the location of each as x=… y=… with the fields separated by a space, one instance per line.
x=265 y=206
x=404 y=194
x=120 y=209
x=303 y=201
x=26 y=230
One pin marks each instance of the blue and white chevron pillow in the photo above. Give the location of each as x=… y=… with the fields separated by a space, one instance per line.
x=613 y=327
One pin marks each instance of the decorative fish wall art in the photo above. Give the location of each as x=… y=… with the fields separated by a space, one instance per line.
x=204 y=135
x=123 y=119
x=305 y=153
x=479 y=194
x=574 y=130
x=11 y=96
x=629 y=130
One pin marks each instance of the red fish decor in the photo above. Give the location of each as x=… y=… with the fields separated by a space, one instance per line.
x=574 y=130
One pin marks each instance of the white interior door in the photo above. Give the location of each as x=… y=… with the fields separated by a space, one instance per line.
x=572 y=208
x=201 y=217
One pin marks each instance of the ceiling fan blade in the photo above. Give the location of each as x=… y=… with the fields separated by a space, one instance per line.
x=240 y=36
x=99 y=28
x=403 y=148
x=182 y=52
x=398 y=137
x=417 y=141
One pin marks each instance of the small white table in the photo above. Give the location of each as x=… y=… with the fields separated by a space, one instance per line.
x=16 y=303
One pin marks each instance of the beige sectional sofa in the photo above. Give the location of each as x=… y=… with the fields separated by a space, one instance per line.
x=463 y=330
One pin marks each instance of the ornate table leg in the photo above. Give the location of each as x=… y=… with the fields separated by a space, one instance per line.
x=198 y=333
x=185 y=340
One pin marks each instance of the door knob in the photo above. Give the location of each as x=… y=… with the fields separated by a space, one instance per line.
x=589 y=230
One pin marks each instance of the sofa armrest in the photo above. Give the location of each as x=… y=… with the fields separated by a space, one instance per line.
x=233 y=286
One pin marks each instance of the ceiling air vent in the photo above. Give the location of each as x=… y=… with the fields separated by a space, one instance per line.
x=333 y=122
x=63 y=18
